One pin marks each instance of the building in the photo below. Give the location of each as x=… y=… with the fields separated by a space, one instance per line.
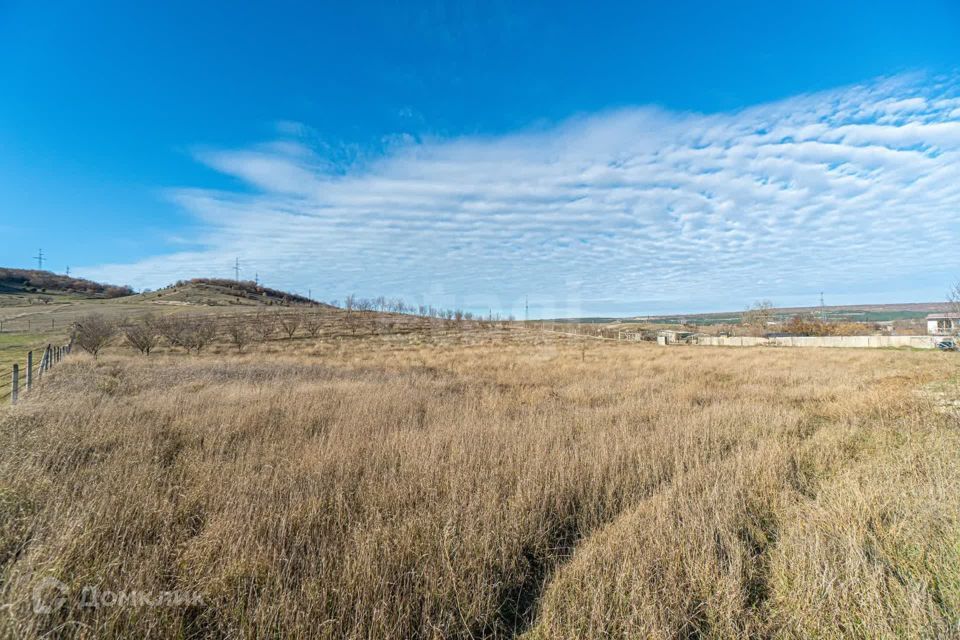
x=669 y=336
x=943 y=324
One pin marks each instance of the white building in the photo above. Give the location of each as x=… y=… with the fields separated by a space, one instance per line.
x=943 y=324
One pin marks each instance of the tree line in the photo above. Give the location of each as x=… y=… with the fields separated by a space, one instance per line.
x=193 y=333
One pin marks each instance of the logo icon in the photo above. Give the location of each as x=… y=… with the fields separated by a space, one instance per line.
x=49 y=595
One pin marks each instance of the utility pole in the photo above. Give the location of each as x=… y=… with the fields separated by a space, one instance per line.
x=236 y=269
x=256 y=279
x=310 y=293
x=823 y=314
x=39 y=259
x=526 y=308
x=68 y=270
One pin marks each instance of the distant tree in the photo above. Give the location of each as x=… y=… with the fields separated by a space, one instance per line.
x=142 y=334
x=238 y=331
x=758 y=315
x=92 y=333
x=200 y=331
x=174 y=330
x=807 y=325
x=264 y=325
x=953 y=298
x=289 y=322
x=312 y=323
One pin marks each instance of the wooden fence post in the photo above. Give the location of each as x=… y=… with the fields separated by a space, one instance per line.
x=29 y=370
x=16 y=384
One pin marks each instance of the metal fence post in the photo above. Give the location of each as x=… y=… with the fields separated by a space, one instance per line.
x=29 y=370
x=16 y=384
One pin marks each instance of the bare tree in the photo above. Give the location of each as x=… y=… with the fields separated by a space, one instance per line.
x=264 y=325
x=201 y=330
x=93 y=332
x=953 y=300
x=312 y=323
x=174 y=330
x=758 y=315
x=289 y=322
x=142 y=335
x=238 y=331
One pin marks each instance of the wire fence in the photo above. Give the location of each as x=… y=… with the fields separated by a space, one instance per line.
x=20 y=379
x=32 y=324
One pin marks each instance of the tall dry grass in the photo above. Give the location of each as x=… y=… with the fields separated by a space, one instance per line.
x=488 y=490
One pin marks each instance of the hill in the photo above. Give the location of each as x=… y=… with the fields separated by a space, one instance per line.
x=222 y=292
x=19 y=286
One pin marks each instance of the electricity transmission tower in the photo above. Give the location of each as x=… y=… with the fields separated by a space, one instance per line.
x=823 y=310
x=236 y=269
x=39 y=259
x=526 y=308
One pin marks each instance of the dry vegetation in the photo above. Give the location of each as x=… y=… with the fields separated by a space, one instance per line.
x=486 y=483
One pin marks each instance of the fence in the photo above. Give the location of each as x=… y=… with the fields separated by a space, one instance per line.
x=31 y=324
x=862 y=342
x=21 y=380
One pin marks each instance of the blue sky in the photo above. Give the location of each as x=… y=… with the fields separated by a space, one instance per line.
x=599 y=158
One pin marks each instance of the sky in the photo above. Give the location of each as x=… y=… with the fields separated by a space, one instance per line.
x=606 y=159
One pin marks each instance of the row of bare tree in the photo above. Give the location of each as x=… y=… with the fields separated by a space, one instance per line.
x=397 y=305
x=193 y=332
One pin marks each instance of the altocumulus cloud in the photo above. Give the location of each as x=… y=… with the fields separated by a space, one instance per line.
x=633 y=210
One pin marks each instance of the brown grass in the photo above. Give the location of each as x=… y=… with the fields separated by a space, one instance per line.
x=380 y=489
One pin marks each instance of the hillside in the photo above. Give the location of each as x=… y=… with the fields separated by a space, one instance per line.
x=24 y=286
x=222 y=292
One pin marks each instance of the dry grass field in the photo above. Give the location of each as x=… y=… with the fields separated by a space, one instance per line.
x=491 y=484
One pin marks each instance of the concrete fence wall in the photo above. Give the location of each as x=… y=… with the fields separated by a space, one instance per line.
x=863 y=342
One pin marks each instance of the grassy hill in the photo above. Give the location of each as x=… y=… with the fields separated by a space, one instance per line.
x=222 y=292
x=38 y=307
x=31 y=286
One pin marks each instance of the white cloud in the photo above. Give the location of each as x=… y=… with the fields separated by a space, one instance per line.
x=843 y=190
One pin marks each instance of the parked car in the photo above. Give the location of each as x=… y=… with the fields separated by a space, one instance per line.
x=948 y=345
